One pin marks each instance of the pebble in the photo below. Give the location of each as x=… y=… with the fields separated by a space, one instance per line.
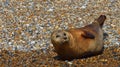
x=118 y=31
x=113 y=25
x=10 y=43
x=51 y=9
x=70 y=63
x=32 y=42
x=103 y=60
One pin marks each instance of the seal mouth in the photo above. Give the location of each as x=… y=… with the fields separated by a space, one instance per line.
x=64 y=42
x=65 y=38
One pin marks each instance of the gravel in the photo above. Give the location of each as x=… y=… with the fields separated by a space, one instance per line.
x=26 y=25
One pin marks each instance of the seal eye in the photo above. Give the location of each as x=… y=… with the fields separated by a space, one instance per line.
x=57 y=36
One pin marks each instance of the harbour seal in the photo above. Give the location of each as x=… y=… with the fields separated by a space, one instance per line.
x=79 y=42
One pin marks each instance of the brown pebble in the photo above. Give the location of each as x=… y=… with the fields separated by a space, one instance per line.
x=118 y=31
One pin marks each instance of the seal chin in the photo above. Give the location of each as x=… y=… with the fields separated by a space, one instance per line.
x=66 y=41
x=63 y=42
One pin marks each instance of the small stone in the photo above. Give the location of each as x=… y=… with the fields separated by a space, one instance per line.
x=10 y=43
x=33 y=42
x=83 y=7
x=27 y=25
x=118 y=31
x=70 y=63
x=50 y=10
x=113 y=25
x=103 y=60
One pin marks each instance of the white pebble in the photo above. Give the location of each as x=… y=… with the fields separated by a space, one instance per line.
x=22 y=33
x=51 y=9
x=2 y=26
x=27 y=25
x=70 y=63
x=113 y=25
x=117 y=43
x=83 y=7
x=10 y=43
x=32 y=42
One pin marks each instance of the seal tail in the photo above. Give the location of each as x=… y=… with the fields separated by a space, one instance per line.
x=101 y=20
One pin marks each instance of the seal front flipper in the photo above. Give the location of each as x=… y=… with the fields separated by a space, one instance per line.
x=87 y=34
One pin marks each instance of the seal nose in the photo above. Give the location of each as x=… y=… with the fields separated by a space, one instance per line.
x=65 y=38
